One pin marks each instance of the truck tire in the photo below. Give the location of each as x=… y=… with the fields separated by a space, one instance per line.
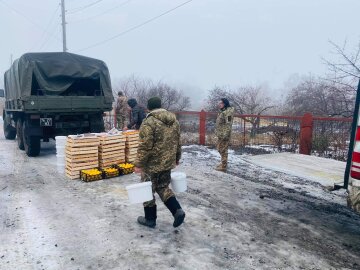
x=9 y=131
x=31 y=143
x=19 y=134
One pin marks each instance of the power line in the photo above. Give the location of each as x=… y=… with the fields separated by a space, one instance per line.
x=133 y=28
x=75 y=10
x=51 y=41
x=24 y=16
x=102 y=13
x=54 y=33
x=48 y=29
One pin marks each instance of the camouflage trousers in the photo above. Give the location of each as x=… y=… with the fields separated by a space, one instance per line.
x=120 y=121
x=354 y=198
x=160 y=185
x=223 y=146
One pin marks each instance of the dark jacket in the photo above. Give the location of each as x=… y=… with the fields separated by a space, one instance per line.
x=137 y=114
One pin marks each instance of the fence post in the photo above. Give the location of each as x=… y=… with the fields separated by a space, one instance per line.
x=244 y=133
x=202 y=127
x=306 y=128
x=114 y=118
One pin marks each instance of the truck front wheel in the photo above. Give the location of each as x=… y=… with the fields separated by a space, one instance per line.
x=19 y=134
x=9 y=131
x=31 y=143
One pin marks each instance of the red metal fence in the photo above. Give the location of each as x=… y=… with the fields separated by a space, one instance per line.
x=321 y=136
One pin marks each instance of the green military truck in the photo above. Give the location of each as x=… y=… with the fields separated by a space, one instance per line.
x=51 y=94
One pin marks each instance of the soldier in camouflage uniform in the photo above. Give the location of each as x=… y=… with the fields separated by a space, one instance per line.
x=223 y=128
x=159 y=151
x=121 y=110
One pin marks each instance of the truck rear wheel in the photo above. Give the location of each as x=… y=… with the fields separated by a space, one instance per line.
x=31 y=143
x=9 y=131
x=19 y=134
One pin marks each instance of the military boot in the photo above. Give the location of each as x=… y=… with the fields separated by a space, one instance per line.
x=179 y=215
x=150 y=217
x=221 y=168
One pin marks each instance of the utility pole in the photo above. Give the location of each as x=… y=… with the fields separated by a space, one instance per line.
x=63 y=23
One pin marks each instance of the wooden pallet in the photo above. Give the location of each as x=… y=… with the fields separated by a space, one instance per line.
x=82 y=165
x=111 y=150
x=131 y=151
x=112 y=146
x=111 y=154
x=72 y=176
x=112 y=139
x=132 y=139
x=82 y=141
x=81 y=150
x=81 y=144
x=131 y=157
x=76 y=159
x=132 y=144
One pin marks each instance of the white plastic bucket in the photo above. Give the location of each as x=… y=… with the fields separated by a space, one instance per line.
x=60 y=149
x=178 y=181
x=139 y=193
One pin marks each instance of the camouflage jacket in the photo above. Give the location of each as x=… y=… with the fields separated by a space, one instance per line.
x=224 y=123
x=121 y=106
x=159 y=148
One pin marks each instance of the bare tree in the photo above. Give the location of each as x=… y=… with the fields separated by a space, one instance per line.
x=320 y=97
x=345 y=70
x=143 y=89
x=172 y=98
x=246 y=100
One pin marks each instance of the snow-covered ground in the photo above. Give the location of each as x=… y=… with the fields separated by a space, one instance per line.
x=327 y=172
x=249 y=218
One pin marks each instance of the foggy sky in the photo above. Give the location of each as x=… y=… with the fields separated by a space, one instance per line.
x=202 y=44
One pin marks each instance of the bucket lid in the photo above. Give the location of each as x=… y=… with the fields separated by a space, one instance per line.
x=60 y=137
x=139 y=185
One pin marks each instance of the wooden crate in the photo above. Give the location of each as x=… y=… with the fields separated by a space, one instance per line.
x=131 y=146
x=81 y=152
x=111 y=149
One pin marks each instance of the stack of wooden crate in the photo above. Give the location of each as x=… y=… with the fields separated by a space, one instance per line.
x=132 y=143
x=111 y=149
x=81 y=153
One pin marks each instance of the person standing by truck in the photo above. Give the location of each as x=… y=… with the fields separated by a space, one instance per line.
x=121 y=110
x=223 y=128
x=159 y=152
x=137 y=114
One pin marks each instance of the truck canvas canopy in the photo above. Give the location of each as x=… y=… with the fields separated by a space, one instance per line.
x=56 y=74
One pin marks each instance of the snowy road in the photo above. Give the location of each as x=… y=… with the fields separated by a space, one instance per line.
x=250 y=218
